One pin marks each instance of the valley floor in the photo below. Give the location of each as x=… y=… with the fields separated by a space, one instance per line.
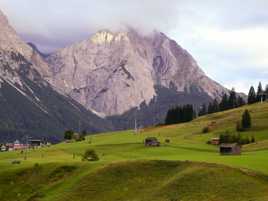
x=186 y=169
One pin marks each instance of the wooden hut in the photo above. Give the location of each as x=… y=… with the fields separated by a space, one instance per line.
x=33 y=143
x=230 y=149
x=152 y=142
x=215 y=141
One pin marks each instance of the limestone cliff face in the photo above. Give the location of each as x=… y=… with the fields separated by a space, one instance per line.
x=10 y=41
x=112 y=72
x=29 y=104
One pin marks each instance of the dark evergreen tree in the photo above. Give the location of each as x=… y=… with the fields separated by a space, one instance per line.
x=213 y=107
x=252 y=96
x=210 y=108
x=180 y=114
x=232 y=102
x=240 y=101
x=224 y=104
x=246 y=120
x=216 y=106
x=260 y=93
x=266 y=93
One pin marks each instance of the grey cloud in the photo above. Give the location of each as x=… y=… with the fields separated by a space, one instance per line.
x=72 y=20
x=63 y=20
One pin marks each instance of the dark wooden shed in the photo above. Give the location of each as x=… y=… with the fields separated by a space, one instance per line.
x=152 y=142
x=35 y=143
x=230 y=149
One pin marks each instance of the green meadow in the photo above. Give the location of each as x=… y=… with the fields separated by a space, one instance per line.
x=185 y=169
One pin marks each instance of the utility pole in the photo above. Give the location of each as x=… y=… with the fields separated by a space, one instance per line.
x=27 y=146
x=135 y=123
x=136 y=129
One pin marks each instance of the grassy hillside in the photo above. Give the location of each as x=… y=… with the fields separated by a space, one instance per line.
x=128 y=170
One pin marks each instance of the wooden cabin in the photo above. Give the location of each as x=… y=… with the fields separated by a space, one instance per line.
x=230 y=149
x=215 y=141
x=152 y=142
x=33 y=143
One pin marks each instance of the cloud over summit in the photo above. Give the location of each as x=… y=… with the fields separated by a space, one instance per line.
x=68 y=21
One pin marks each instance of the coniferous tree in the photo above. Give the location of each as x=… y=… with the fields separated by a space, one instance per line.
x=210 y=108
x=266 y=93
x=240 y=101
x=203 y=110
x=252 y=96
x=232 y=102
x=224 y=103
x=259 y=93
x=246 y=120
x=215 y=106
x=180 y=114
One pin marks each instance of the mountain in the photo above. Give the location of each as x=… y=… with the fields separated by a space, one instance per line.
x=29 y=104
x=114 y=72
x=105 y=81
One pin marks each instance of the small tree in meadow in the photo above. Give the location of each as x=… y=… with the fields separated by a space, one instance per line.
x=246 y=120
x=90 y=155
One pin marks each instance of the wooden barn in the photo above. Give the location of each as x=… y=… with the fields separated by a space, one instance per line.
x=151 y=142
x=33 y=143
x=215 y=141
x=230 y=149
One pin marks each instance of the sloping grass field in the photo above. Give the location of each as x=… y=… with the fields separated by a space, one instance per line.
x=186 y=169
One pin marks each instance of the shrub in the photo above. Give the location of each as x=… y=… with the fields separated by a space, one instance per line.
x=68 y=135
x=167 y=140
x=227 y=137
x=243 y=141
x=90 y=155
x=206 y=129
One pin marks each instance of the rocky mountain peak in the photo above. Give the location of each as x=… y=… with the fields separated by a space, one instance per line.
x=112 y=72
x=3 y=19
x=10 y=41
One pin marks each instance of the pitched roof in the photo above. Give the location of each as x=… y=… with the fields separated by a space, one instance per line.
x=227 y=145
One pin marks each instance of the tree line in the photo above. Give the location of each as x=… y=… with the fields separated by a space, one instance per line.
x=186 y=113
x=259 y=96
x=180 y=114
x=234 y=100
x=231 y=101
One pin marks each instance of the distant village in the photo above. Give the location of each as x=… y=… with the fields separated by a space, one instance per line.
x=19 y=146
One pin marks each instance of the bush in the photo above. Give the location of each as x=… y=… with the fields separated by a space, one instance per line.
x=206 y=129
x=167 y=140
x=244 y=141
x=227 y=137
x=90 y=155
x=68 y=135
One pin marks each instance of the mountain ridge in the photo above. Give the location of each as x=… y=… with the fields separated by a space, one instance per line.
x=143 y=62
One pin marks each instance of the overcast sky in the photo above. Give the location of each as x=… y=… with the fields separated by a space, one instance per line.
x=228 y=38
